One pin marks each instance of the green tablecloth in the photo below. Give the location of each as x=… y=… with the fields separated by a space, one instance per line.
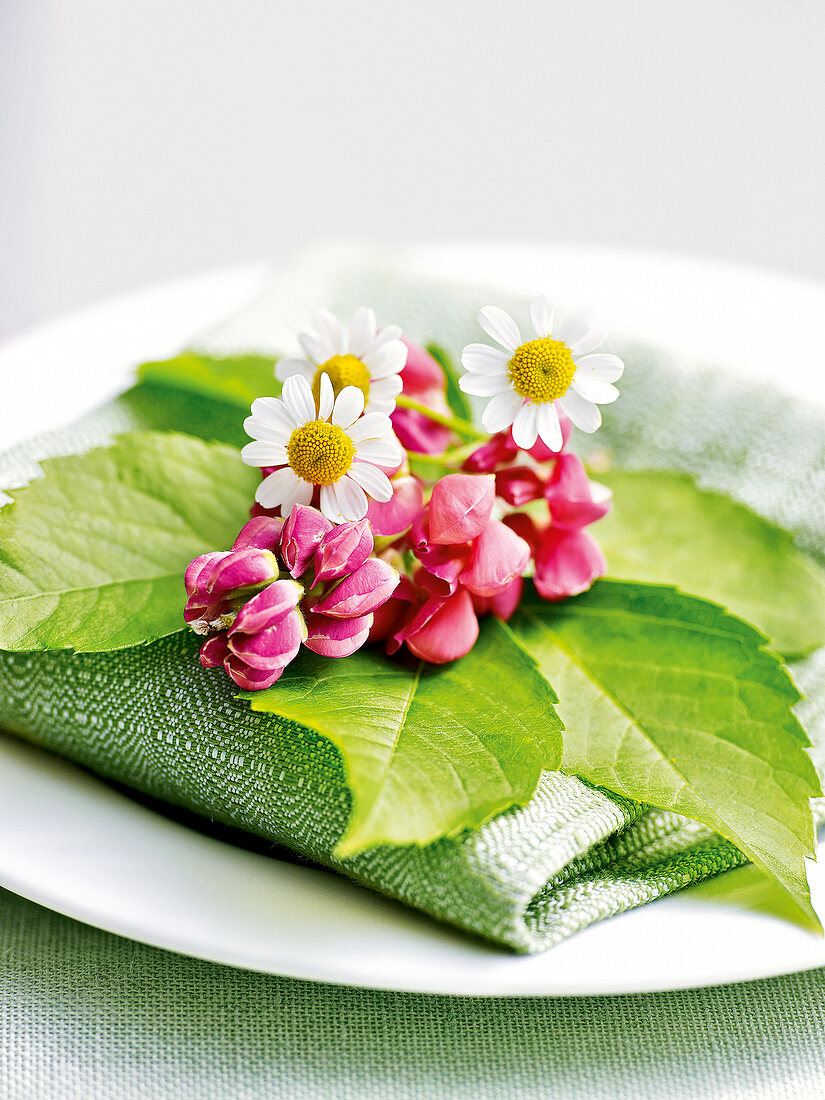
x=85 y=1015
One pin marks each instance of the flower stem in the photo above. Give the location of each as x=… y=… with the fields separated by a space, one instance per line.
x=461 y=427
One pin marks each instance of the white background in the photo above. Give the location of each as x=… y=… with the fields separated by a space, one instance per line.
x=145 y=140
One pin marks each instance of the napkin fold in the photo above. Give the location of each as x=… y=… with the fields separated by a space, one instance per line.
x=152 y=719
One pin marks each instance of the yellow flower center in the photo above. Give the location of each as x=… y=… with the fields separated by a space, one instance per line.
x=320 y=452
x=343 y=370
x=541 y=369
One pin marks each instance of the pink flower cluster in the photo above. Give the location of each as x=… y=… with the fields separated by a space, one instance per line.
x=462 y=554
x=283 y=584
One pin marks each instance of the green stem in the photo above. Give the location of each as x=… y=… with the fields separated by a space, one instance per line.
x=461 y=427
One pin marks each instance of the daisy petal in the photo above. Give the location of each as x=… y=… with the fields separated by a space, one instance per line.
x=382 y=452
x=584 y=414
x=383 y=407
x=483 y=385
x=258 y=430
x=277 y=487
x=498 y=324
x=349 y=404
x=541 y=315
x=391 y=332
x=482 y=359
x=602 y=393
x=325 y=334
x=285 y=368
x=387 y=389
x=501 y=411
x=580 y=330
x=301 y=495
x=362 y=330
x=525 y=426
x=326 y=397
x=370 y=426
x=372 y=480
x=298 y=399
x=272 y=412
x=602 y=367
x=264 y=453
x=352 y=500
x=388 y=359
x=549 y=426
x=329 y=504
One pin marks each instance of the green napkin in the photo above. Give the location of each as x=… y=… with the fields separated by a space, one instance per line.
x=152 y=719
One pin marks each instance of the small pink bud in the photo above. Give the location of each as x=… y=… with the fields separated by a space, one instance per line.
x=504 y=604
x=270 y=648
x=301 y=536
x=393 y=516
x=567 y=563
x=201 y=567
x=460 y=507
x=444 y=629
x=361 y=592
x=268 y=607
x=240 y=571
x=518 y=484
x=342 y=550
x=261 y=531
x=251 y=679
x=214 y=650
x=499 y=555
x=336 y=637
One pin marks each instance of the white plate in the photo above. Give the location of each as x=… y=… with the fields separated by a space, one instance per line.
x=72 y=843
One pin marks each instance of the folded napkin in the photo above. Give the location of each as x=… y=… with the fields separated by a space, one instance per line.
x=152 y=719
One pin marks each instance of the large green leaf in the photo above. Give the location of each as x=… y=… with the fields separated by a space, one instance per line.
x=663 y=529
x=670 y=700
x=428 y=750
x=92 y=555
x=236 y=379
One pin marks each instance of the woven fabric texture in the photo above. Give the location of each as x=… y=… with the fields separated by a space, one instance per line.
x=84 y=1015
x=151 y=718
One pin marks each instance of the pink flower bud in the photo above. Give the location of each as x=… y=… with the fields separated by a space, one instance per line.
x=301 y=536
x=504 y=604
x=214 y=650
x=499 y=555
x=518 y=485
x=342 y=550
x=422 y=378
x=574 y=500
x=268 y=607
x=361 y=592
x=393 y=516
x=273 y=646
x=241 y=570
x=336 y=637
x=248 y=678
x=460 y=507
x=443 y=630
x=498 y=450
x=261 y=531
x=567 y=563
x=201 y=567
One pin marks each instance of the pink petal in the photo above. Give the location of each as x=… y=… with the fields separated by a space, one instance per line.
x=302 y=534
x=448 y=630
x=397 y=514
x=214 y=650
x=241 y=569
x=421 y=371
x=336 y=637
x=248 y=678
x=460 y=507
x=504 y=604
x=201 y=567
x=261 y=531
x=499 y=555
x=361 y=592
x=484 y=459
x=567 y=563
x=518 y=484
x=272 y=647
x=267 y=608
x=342 y=550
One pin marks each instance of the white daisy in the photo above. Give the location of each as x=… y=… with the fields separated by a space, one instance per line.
x=351 y=354
x=335 y=447
x=525 y=381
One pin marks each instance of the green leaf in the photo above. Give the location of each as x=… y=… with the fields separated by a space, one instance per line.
x=428 y=750
x=663 y=529
x=458 y=403
x=92 y=555
x=669 y=700
x=236 y=379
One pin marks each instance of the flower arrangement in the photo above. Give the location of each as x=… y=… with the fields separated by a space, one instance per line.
x=414 y=563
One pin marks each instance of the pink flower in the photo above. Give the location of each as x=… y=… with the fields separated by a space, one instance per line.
x=567 y=558
x=264 y=637
x=465 y=556
x=256 y=616
x=423 y=379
